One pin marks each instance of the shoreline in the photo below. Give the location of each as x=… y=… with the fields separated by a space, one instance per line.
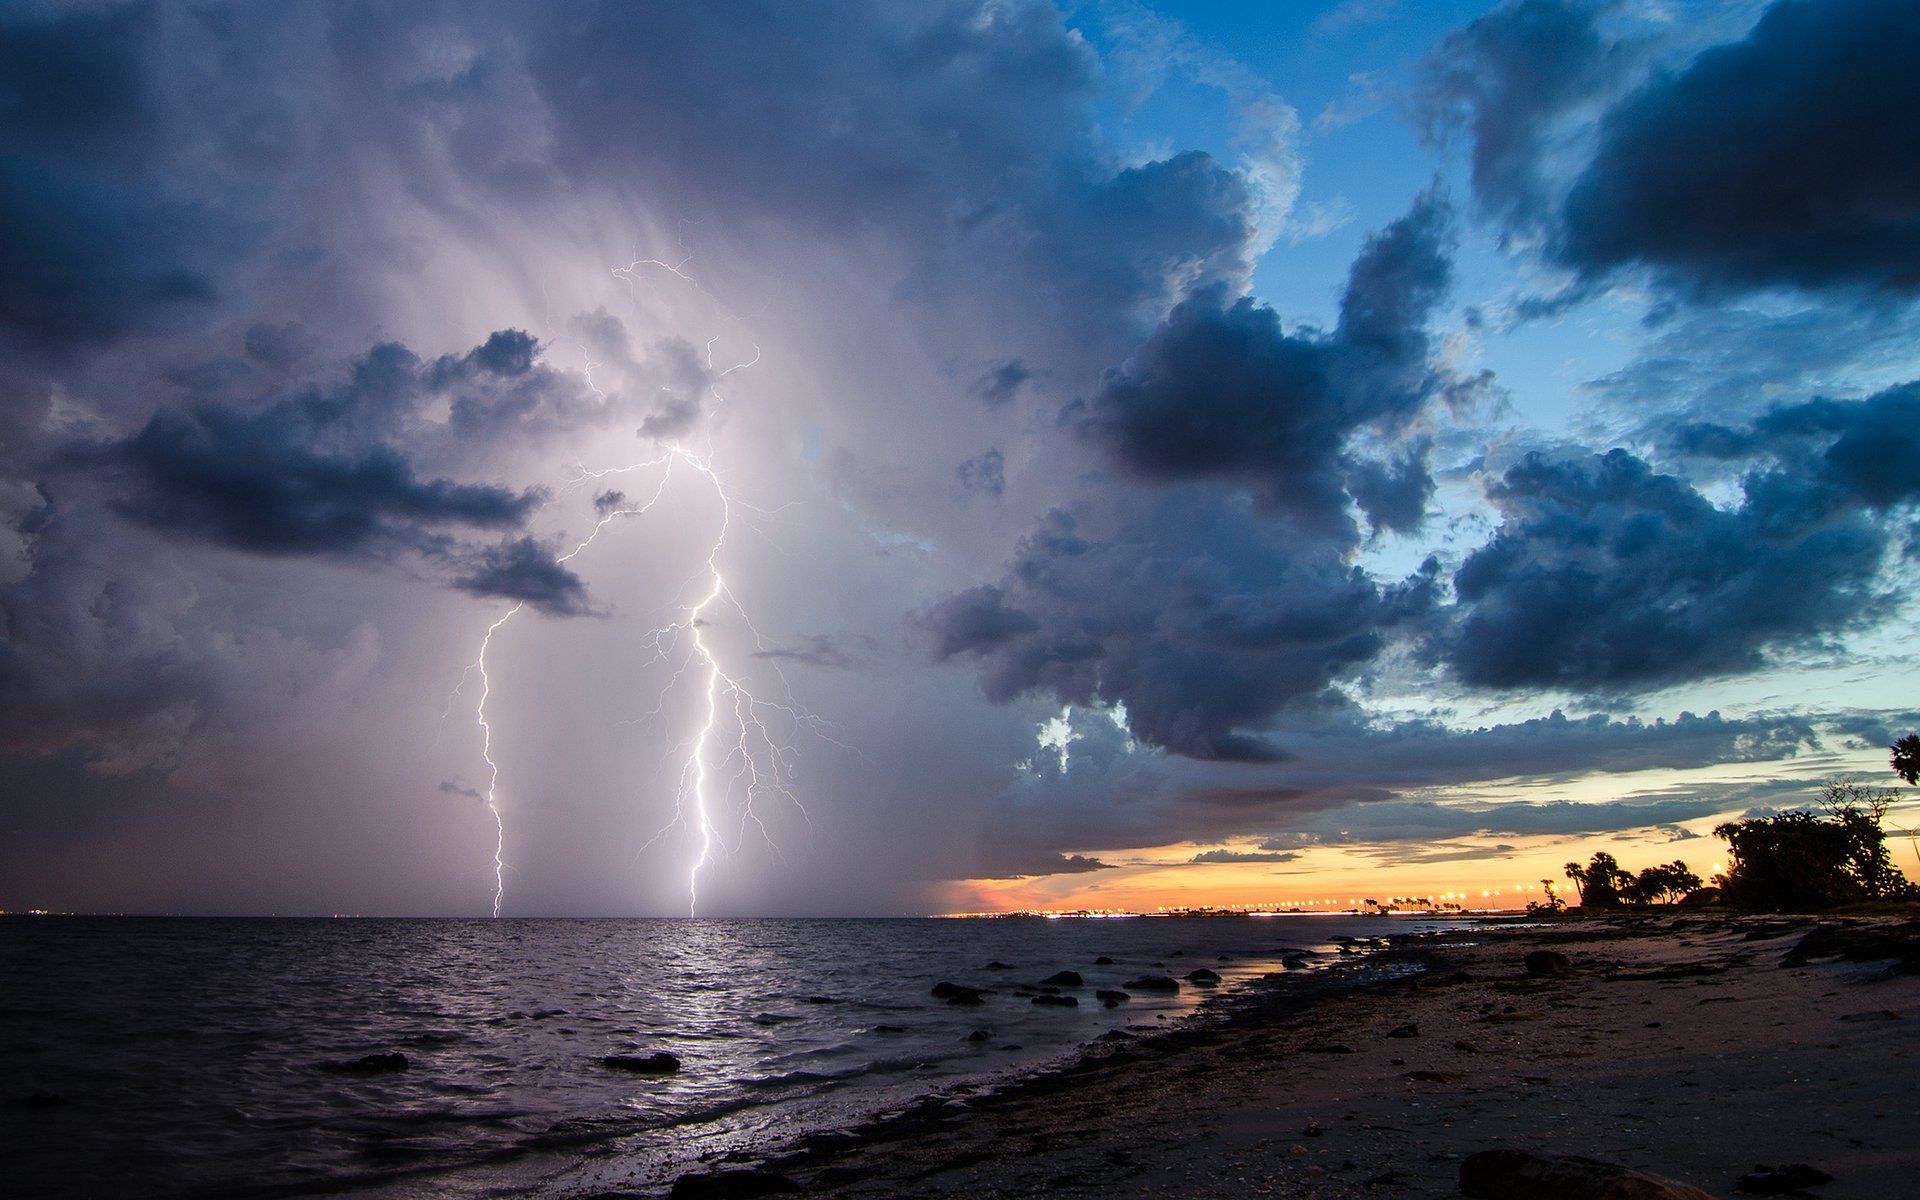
x=1677 y=1045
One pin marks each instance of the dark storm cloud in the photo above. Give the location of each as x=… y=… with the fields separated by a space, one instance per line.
x=94 y=251
x=1606 y=574
x=1506 y=78
x=1788 y=158
x=317 y=473
x=524 y=570
x=329 y=471
x=1394 y=495
x=1000 y=384
x=985 y=472
x=1863 y=451
x=1029 y=866
x=1221 y=391
x=1204 y=624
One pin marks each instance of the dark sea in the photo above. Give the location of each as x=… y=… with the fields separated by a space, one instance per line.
x=162 y=1057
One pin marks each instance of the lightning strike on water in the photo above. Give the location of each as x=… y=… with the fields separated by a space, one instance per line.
x=734 y=743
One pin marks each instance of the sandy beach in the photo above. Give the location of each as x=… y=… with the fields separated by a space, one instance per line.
x=1693 y=1047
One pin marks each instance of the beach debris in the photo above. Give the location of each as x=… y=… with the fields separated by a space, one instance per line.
x=1408 y=1030
x=366 y=1064
x=1063 y=979
x=657 y=1063
x=740 y=1183
x=1062 y=1001
x=1203 y=977
x=1542 y=964
x=1781 y=1181
x=1313 y=1129
x=1152 y=983
x=1524 y=1175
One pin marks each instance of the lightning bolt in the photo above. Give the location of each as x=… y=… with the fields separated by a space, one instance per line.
x=734 y=748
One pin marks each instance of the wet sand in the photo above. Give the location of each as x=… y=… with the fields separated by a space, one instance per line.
x=1678 y=1045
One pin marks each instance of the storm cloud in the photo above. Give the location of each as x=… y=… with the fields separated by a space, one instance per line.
x=1606 y=574
x=1220 y=391
x=1203 y=624
x=1789 y=158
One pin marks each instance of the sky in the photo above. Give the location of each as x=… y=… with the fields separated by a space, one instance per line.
x=946 y=456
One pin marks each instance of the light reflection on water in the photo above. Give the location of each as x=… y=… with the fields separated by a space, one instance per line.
x=183 y=1051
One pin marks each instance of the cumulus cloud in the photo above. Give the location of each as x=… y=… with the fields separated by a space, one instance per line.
x=1506 y=79
x=1205 y=625
x=329 y=470
x=1606 y=574
x=1786 y=158
x=1221 y=391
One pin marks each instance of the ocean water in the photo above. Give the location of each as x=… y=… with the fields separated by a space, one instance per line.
x=162 y=1057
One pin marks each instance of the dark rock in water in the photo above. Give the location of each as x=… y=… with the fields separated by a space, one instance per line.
x=1111 y=996
x=1224 y=958
x=980 y=1035
x=1063 y=1001
x=997 y=965
x=660 y=1063
x=1178 y=954
x=1063 y=979
x=1115 y=1035
x=1524 y=1175
x=367 y=1064
x=1409 y=1030
x=738 y=1184
x=42 y=1100
x=821 y=1000
x=954 y=993
x=1103 y=961
x=1545 y=963
x=1781 y=1181
x=1293 y=962
x=889 y=1028
x=1152 y=983
x=1203 y=977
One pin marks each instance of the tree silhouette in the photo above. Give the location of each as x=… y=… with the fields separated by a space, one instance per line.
x=1796 y=861
x=1906 y=758
x=1601 y=882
